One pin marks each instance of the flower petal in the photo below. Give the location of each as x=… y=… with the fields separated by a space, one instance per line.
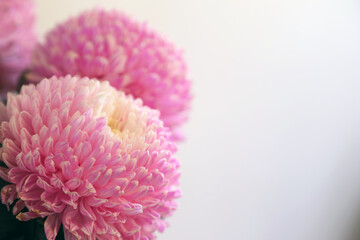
x=51 y=226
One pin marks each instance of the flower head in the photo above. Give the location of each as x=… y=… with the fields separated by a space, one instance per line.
x=108 y=45
x=17 y=39
x=88 y=157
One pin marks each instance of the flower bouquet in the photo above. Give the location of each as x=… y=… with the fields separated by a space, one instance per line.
x=88 y=143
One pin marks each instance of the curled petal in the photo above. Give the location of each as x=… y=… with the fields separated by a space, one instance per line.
x=8 y=195
x=4 y=174
x=27 y=216
x=52 y=225
x=19 y=205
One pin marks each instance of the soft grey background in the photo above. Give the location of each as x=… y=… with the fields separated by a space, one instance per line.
x=273 y=141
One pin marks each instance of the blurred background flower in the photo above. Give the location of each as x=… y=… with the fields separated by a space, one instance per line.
x=17 y=39
x=109 y=45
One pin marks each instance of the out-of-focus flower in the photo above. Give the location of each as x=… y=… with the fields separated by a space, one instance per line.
x=17 y=39
x=88 y=157
x=108 y=45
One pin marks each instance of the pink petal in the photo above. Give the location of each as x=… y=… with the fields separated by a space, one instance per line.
x=52 y=225
x=8 y=194
x=27 y=216
x=4 y=174
x=19 y=205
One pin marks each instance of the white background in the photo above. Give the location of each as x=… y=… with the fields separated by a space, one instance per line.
x=273 y=141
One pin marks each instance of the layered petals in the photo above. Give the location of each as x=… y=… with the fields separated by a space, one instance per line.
x=87 y=157
x=109 y=45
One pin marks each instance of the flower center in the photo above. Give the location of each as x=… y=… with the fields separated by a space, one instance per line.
x=115 y=125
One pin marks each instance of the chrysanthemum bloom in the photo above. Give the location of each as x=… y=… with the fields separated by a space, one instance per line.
x=108 y=45
x=17 y=39
x=88 y=157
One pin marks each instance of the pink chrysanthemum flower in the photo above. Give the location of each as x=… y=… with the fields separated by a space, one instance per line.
x=88 y=157
x=108 y=45
x=17 y=39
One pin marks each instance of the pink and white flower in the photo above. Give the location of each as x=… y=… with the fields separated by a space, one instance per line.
x=81 y=154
